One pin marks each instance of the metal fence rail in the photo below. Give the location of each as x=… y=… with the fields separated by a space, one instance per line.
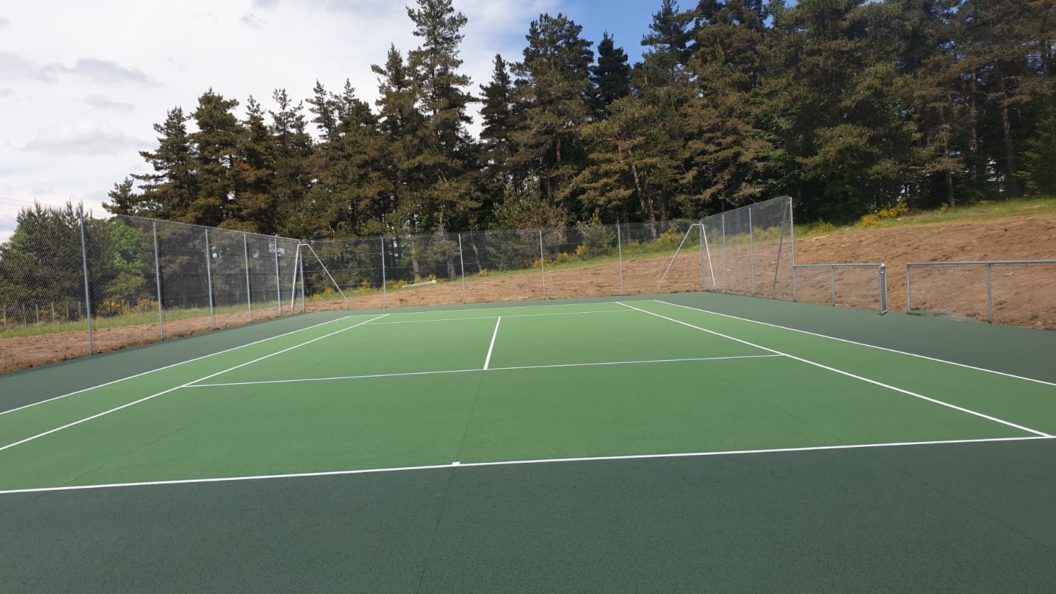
x=986 y=265
x=835 y=268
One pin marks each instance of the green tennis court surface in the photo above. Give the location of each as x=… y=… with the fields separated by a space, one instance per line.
x=694 y=442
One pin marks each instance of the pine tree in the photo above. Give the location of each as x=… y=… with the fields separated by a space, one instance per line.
x=610 y=77
x=169 y=191
x=256 y=206
x=444 y=187
x=556 y=71
x=215 y=145
x=293 y=147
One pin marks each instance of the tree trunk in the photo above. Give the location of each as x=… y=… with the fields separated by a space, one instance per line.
x=973 y=134
x=1006 y=129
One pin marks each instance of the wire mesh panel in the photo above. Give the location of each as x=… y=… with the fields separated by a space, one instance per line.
x=264 y=281
x=228 y=263
x=1024 y=295
x=582 y=261
x=502 y=266
x=955 y=291
x=42 y=292
x=649 y=250
x=352 y=265
x=863 y=286
x=771 y=248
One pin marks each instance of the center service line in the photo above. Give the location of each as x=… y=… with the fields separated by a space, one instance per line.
x=491 y=347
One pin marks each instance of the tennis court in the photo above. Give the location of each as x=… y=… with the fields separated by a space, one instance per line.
x=679 y=443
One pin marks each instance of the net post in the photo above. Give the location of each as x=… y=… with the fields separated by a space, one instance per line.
x=209 y=281
x=384 y=281
x=87 y=283
x=157 y=281
x=751 y=249
x=990 y=293
x=542 y=263
x=619 y=252
x=249 y=286
x=462 y=265
x=278 y=281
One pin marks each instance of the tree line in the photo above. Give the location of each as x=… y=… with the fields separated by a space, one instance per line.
x=847 y=105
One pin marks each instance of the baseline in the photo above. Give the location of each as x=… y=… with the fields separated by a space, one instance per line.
x=177 y=364
x=185 y=385
x=461 y=465
x=861 y=344
x=846 y=373
x=543 y=315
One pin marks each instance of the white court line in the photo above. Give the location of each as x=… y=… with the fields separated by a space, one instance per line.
x=491 y=347
x=863 y=344
x=462 y=465
x=543 y=315
x=501 y=308
x=848 y=374
x=188 y=384
x=148 y=372
x=450 y=371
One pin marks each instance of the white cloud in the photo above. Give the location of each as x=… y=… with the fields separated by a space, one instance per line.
x=4 y=22
x=100 y=71
x=100 y=102
x=87 y=139
x=68 y=132
x=5 y=93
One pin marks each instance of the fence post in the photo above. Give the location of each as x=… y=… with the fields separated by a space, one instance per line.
x=384 y=281
x=792 y=238
x=833 y=285
x=300 y=265
x=462 y=265
x=909 y=289
x=725 y=255
x=87 y=285
x=619 y=252
x=157 y=281
x=249 y=286
x=278 y=279
x=751 y=249
x=703 y=284
x=990 y=293
x=883 y=289
x=209 y=281
x=542 y=263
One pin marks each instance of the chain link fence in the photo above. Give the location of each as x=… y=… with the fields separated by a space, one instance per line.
x=1020 y=292
x=140 y=280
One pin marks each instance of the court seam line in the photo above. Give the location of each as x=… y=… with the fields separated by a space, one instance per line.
x=862 y=344
x=453 y=371
x=491 y=347
x=188 y=384
x=530 y=462
x=850 y=375
x=571 y=313
x=177 y=364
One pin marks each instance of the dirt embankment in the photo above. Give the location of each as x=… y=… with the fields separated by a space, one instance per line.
x=1024 y=296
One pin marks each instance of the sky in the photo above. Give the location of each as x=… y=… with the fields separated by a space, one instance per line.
x=82 y=83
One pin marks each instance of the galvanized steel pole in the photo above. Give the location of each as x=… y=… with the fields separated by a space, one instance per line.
x=87 y=285
x=209 y=281
x=157 y=281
